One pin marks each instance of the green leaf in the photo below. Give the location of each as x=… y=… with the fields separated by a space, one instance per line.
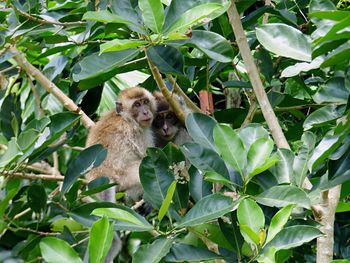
x=153 y=253
x=336 y=15
x=294 y=236
x=337 y=56
x=213 y=233
x=121 y=44
x=12 y=153
x=258 y=155
x=187 y=253
x=12 y=188
x=55 y=250
x=300 y=165
x=205 y=159
x=96 y=69
x=167 y=59
x=278 y=221
x=105 y=17
x=250 y=214
x=283 y=170
x=339 y=30
x=212 y=44
x=192 y=16
x=217 y=178
x=282 y=195
x=323 y=116
x=333 y=92
x=270 y=34
x=166 y=203
x=297 y=68
x=27 y=138
x=152 y=14
x=63 y=222
x=252 y=132
x=155 y=176
x=230 y=146
x=82 y=164
x=249 y=235
x=10 y=109
x=36 y=198
x=118 y=214
x=200 y=127
x=101 y=237
x=208 y=208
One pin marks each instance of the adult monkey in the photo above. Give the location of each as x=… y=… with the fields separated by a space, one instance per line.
x=126 y=134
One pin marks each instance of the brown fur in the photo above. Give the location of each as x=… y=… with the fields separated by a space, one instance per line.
x=126 y=141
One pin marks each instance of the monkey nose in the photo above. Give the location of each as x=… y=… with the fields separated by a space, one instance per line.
x=165 y=129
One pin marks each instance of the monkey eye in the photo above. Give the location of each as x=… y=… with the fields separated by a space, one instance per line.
x=146 y=101
x=137 y=104
x=170 y=116
x=159 y=117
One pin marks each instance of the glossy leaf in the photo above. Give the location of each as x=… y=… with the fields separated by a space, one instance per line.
x=184 y=253
x=12 y=153
x=283 y=170
x=250 y=214
x=156 y=177
x=251 y=133
x=337 y=56
x=153 y=253
x=270 y=34
x=336 y=15
x=121 y=44
x=55 y=250
x=323 y=115
x=101 y=236
x=249 y=235
x=300 y=165
x=105 y=17
x=205 y=159
x=212 y=44
x=282 y=195
x=10 y=111
x=37 y=197
x=278 y=221
x=167 y=59
x=152 y=14
x=85 y=161
x=198 y=186
x=294 y=236
x=166 y=203
x=117 y=213
x=298 y=68
x=95 y=68
x=192 y=16
x=126 y=10
x=333 y=92
x=200 y=127
x=208 y=208
x=258 y=154
x=12 y=188
x=230 y=146
x=212 y=232
x=217 y=178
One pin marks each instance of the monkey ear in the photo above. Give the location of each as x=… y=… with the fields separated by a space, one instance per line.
x=119 y=107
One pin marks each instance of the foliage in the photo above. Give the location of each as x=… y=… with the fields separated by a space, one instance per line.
x=91 y=50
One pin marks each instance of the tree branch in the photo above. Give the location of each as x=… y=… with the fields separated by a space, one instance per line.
x=46 y=22
x=50 y=87
x=193 y=107
x=31 y=176
x=166 y=93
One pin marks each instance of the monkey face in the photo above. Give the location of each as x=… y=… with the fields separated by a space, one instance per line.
x=142 y=112
x=166 y=125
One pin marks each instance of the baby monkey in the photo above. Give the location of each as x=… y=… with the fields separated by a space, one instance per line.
x=166 y=126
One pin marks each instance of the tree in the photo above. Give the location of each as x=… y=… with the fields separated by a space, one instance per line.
x=256 y=184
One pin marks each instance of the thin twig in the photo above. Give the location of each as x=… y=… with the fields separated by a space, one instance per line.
x=36 y=97
x=166 y=93
x=46 y=22
x=193 y=107
x=33 y=176
x=50 y=87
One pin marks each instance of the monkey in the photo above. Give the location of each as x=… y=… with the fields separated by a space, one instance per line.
x=126 y=133
x=166 y=126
